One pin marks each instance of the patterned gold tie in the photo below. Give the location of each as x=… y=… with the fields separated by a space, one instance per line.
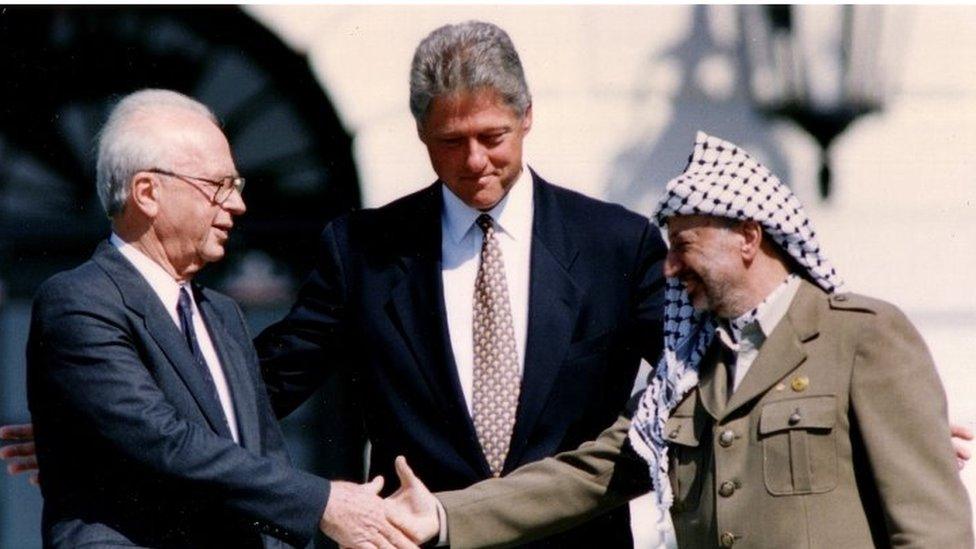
x=497 y=376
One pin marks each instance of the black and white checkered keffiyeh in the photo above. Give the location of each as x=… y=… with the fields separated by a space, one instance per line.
x=720 y=180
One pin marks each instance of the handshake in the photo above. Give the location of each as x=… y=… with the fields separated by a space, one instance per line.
x=356 y=516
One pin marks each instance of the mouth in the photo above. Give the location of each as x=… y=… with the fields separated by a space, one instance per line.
x=480 y=180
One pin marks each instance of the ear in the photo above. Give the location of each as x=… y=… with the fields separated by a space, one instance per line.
x=752 y=237
x=527 y=119
x=144 y=194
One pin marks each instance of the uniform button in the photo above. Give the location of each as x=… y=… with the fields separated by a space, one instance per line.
x=794 y=418
x=726 y=438
x=727 y=539
x=726 y=489
x=800 y=383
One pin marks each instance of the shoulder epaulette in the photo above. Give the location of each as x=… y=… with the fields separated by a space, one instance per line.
x=853 y=302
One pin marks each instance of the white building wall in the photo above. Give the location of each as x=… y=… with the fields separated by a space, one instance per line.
x=618 y=93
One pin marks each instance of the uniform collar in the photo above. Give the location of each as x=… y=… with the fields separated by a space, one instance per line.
x=763 y=319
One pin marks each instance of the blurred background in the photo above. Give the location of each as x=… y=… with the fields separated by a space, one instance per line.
x=869 y=112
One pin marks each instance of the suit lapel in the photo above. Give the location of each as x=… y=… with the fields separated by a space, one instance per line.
x=554 y=301
x=783 y=351
x=142 y=300
x=418 y=311
x=234 y=363
x=712 y=379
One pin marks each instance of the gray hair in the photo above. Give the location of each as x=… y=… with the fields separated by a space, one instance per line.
x=467 y=56
x=125 y=149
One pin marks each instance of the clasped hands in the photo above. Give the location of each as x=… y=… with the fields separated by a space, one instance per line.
x=356 y=516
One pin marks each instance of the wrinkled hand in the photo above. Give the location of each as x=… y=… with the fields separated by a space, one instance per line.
x=412 y=508
x=960 y=435
x=354 y=517
x=22 y=456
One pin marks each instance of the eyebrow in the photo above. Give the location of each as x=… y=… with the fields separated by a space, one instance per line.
x=504 y=128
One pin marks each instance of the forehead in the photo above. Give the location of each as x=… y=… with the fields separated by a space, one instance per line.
x=469 y=109
x=688 y=224
x=193 y=141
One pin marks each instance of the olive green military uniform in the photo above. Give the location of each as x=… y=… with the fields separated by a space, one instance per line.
x=837 y=437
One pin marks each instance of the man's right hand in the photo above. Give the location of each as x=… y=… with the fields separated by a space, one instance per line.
x=21 y=457
x=412 y=508
x=960 y=436
x=354 y=517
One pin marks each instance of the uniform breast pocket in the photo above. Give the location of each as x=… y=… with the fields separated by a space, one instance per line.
x=686 y=459
x=799 y=446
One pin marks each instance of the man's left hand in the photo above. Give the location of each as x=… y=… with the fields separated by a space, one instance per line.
x=21 y=457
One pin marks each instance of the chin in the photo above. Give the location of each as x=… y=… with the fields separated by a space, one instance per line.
x=486 y=201
x=213 y=254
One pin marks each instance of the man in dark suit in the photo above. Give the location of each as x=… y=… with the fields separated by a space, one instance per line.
x=468 y=377
x=391 y=301
x=153 y=426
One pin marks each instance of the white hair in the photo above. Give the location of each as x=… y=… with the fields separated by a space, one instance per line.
x=125 y=149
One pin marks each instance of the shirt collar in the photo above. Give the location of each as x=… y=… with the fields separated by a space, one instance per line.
x=512 y=215
x=165 y=286
x=767 y=315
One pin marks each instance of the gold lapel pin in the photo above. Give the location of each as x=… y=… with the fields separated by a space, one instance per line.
x=800 y=383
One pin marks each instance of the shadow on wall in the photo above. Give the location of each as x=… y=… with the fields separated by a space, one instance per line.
x=713 y=96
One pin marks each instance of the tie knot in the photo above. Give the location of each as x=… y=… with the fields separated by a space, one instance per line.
x=485 y=222
x=184 y=302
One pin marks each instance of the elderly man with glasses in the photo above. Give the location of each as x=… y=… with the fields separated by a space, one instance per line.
x=153 y=427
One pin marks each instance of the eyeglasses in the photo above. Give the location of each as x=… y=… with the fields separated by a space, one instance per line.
x=225 y=185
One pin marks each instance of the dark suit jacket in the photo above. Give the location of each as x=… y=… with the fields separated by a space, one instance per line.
x=133 y=448
x=374 y=304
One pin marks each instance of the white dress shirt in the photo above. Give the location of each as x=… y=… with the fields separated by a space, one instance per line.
x=168 y=290
x=461 y=242
x=746 y=334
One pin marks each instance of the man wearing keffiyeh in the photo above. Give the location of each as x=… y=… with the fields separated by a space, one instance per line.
x=783 y=413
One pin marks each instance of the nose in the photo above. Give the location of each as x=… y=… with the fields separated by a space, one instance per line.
x=476 y=157
x=235 y=203
x=672 y=264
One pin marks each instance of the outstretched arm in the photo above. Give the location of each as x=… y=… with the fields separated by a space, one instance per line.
x=535 y=500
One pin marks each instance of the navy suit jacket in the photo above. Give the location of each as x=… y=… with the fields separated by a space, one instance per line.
x=133 y=448
x=373 y=308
